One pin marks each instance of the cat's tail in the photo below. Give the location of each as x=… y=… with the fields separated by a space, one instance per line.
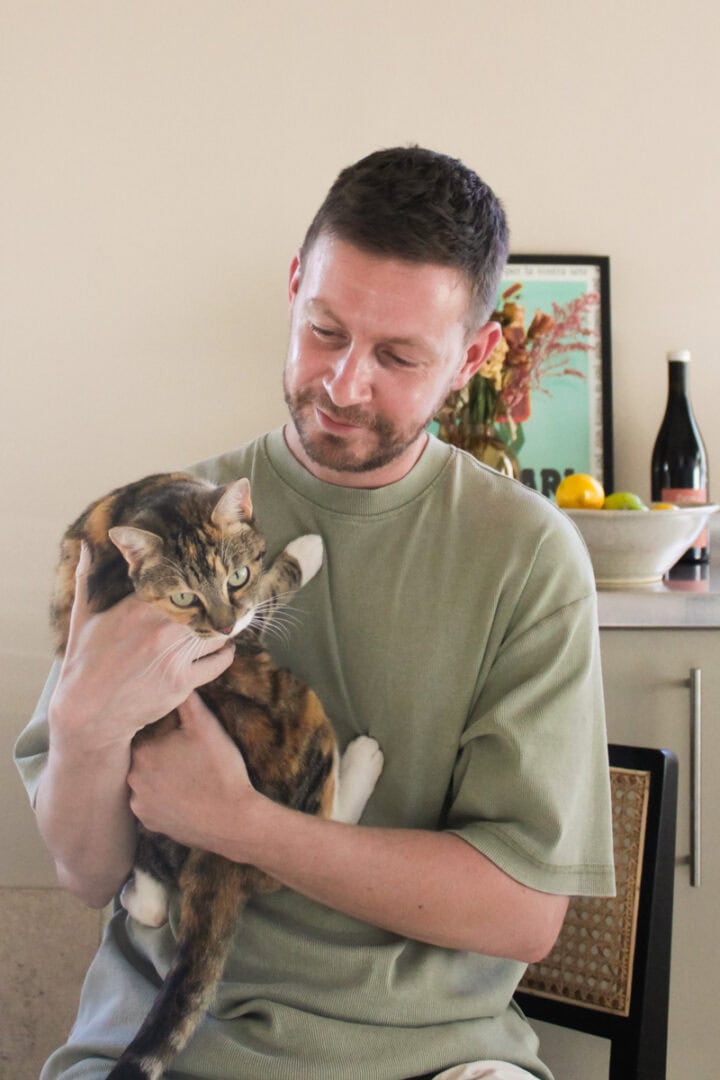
x=214 y=891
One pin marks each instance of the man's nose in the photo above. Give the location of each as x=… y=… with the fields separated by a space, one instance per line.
x=349 y=382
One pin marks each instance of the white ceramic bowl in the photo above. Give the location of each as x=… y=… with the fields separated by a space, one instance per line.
x=636 y=547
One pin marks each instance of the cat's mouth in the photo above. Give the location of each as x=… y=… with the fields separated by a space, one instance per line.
x=242 y=623
x=228 y=632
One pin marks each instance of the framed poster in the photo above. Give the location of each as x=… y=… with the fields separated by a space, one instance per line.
x=567 y=424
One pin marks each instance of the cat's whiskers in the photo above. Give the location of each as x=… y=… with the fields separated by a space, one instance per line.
x=192 y=644
x=276 y=599
x=183 y=650
x=270 y=621
x=281 y=615
x=285 y=618
x=273 y=631
x=172 y=647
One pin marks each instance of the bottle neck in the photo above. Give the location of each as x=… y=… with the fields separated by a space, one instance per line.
x=678 y=378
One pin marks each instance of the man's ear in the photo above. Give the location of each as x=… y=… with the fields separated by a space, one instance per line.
x=294 y=278
x=482 y=344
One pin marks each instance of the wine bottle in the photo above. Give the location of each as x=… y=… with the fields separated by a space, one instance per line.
x=679 y=460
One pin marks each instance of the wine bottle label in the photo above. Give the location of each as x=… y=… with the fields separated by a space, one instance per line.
x=684 y=496
x=689 y=497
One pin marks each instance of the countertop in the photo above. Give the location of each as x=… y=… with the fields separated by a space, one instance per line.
x=687 y=598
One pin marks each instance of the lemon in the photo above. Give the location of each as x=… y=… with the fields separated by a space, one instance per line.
x=663 y=506
x=580 y=492
x=624 y=500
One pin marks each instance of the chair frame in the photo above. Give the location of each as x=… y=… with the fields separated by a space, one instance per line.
x=639 y=1040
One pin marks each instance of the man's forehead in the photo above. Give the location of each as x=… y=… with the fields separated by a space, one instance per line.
x=334 y=271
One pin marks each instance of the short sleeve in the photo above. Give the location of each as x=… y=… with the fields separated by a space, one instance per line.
x=531 y=787
x=31 y=748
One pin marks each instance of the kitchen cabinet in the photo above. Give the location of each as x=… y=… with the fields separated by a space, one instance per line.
x=648 y=701
x=652 y=641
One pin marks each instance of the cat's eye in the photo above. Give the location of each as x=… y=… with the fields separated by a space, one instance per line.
x=238 y=578
x=183 y=599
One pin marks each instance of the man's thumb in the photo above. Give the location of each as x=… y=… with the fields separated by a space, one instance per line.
x=193 y=712
x=80 y=608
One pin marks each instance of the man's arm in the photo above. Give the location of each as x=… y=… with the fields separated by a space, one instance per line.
x=84 y=817
x=122 y=669
x=433 y=887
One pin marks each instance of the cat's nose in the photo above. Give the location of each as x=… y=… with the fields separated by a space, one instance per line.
x=226 y=629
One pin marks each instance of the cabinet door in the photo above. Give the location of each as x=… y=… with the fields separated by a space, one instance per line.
x=647 y=693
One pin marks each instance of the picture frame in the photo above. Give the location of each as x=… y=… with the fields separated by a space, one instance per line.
x=569 y=429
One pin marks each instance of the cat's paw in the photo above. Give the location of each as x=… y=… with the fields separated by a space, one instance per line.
x=360 y=769
x=363 y=754
x=308 y=553
x=145 y=898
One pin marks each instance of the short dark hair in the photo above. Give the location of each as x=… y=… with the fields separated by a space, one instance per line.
x=422 y=206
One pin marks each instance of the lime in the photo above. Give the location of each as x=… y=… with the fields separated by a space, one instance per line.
x=579 y=492
x=624 y=500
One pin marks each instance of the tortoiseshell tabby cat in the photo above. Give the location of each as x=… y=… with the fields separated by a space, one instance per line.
x=194 y=550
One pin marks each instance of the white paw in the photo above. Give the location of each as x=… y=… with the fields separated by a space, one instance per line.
x=360 y=769
x=364 y=754
x=308 y=552
x=145 y=898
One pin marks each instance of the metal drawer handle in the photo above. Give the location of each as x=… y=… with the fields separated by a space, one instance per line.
x=695 y=775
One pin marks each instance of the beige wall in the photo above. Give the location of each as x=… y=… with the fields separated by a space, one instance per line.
x=161 y=158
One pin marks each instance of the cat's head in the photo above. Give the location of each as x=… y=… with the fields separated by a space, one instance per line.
x=198 y=557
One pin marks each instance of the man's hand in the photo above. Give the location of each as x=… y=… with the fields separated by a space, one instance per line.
x=190 y=783
x=125 y=668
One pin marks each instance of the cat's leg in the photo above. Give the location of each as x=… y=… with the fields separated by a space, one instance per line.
x=145 y=898
x=308 y=554
x=357 y=774
x=156 y=870
x=297 y=564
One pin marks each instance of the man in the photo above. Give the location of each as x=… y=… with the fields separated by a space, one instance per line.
x=453 y=620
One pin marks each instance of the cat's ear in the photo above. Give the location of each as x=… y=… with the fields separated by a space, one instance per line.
x=235 y=505
x=136 y=545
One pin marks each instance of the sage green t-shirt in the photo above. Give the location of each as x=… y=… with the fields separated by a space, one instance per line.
x=454 y=620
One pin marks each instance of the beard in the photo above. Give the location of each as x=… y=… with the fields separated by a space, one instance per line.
x=332 y=451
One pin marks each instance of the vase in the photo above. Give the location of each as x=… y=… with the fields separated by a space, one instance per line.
x=485 y=444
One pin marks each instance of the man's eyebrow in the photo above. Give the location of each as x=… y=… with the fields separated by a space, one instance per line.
x=414 y=342
x=319 y=306
x=322 y=308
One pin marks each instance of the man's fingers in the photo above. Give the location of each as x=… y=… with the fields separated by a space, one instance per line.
x=198 y=722
x=194 y=711
x=212 y=666
x=81 y=609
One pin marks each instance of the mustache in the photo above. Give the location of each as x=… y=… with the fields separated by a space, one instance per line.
x=350 y=414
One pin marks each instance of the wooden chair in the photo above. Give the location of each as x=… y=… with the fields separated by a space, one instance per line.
x=609 y=972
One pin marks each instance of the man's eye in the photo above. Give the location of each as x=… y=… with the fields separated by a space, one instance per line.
x=399 y=361
x=323 y=332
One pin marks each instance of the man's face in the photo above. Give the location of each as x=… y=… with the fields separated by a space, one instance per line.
x=376 y=344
